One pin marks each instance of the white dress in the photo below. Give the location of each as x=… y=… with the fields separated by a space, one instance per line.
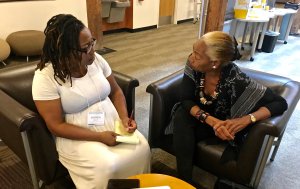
x=89 y=163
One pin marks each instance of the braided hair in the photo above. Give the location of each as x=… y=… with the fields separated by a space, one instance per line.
x=62 y=40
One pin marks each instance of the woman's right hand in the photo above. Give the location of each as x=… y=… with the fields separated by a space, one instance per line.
x=108 y=138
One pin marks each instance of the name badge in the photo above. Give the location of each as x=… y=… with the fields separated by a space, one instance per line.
x=95 y=118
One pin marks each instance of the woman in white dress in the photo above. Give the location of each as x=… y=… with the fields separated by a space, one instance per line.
x=76 y=94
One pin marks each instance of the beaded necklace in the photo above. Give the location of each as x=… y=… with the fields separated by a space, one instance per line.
x=214 y=96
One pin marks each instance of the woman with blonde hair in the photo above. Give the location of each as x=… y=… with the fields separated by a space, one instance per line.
x=218 y=101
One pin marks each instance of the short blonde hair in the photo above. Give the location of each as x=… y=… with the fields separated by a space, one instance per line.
x=220 y=46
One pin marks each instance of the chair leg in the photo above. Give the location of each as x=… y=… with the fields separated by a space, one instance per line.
x=262 y=160
x=276 y=144
x=30 y=160
x=3 y=62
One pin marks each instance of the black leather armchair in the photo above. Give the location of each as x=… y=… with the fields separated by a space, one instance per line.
x=24 y=131
x=248 y=168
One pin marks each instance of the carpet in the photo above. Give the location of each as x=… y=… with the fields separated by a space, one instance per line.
x=14 y=174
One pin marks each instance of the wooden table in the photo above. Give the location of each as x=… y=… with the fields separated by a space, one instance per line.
x=151 y=180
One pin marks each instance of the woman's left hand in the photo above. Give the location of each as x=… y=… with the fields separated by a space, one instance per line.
x=235 y=125
x=129 y=124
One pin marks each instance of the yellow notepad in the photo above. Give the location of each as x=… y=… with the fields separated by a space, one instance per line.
x=124 y=136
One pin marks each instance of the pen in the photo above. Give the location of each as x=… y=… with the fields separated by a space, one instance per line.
x=131 y=117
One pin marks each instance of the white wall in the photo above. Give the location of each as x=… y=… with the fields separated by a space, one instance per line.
x=185 y=9
x=33 y=15
x=145 y=13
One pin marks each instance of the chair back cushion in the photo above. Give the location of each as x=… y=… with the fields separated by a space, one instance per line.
x=16 y=81
x=165 y=93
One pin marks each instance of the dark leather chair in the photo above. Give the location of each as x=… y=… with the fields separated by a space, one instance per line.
x=24 y=131
x=246 y=171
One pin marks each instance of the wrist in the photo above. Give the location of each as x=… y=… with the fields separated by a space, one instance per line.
x=211 y=121
x=201 y=115
x=100 y=137
x=252 y=118
x=197 y=114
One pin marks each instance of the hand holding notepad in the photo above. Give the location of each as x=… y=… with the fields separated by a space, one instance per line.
x=124 y=136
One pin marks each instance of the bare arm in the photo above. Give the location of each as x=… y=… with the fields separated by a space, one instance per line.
x=118 y=99
x=51 y=111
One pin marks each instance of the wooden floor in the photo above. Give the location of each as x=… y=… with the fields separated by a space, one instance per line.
x=148 y=56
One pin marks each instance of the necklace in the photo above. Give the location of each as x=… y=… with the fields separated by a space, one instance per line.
x=203 y=100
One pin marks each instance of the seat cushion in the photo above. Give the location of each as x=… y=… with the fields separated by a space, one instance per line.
x=5 y=50
x=26 y=42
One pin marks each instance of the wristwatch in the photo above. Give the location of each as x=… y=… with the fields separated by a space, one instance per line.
x=252 y=118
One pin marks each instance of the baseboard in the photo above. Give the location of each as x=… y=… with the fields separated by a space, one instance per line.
x=142 y=29
x=130 y=30
x=114 y=31
x=185 y=20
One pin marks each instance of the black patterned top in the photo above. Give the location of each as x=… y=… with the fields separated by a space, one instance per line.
x=238 y=95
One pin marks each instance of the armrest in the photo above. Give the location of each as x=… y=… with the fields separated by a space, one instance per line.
x=15 y=112
x=128 y=85
x=14 y=119
x=13 y=115
x=164 y=94
x=274 y=126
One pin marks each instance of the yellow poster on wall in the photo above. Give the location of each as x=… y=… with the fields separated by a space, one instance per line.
x=241 y=8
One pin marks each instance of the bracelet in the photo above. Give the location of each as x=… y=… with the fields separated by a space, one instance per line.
x=203 y=117
x=198 y=114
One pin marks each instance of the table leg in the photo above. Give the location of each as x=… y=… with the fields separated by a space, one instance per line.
x=269 y=23
x=276 y=22
x=272 y=23
x=244 y=35
x=253 y=30
x=195 y=12
x=233 y=27
x=289 y=28
x=256 y=27
x=262 y=36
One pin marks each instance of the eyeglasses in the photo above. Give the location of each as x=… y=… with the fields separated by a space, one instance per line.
x=90 y=46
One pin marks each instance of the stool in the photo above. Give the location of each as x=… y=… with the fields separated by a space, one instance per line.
x=26 y=43
x=4 y=52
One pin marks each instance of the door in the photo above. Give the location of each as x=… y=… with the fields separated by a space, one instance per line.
x=166 y=12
